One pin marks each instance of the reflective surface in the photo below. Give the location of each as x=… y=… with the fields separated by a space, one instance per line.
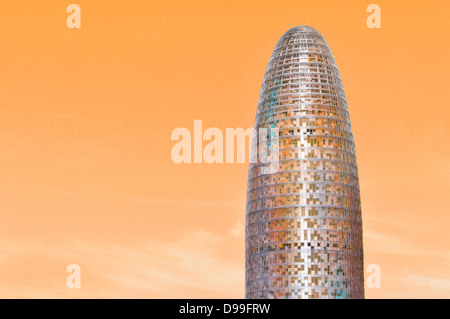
x=303 y=223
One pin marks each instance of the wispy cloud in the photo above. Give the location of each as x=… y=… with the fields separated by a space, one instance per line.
x=189 y=267
x=438 y=283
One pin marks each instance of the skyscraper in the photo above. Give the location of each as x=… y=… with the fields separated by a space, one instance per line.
x=303 y=221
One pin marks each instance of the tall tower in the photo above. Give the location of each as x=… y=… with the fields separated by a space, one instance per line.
x=303 y=221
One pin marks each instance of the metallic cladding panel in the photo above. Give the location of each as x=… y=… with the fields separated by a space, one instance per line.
x=303 y=222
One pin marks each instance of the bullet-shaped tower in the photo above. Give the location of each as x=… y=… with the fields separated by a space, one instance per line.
x=303 y=220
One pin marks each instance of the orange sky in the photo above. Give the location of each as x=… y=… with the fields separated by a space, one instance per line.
x=86 y=117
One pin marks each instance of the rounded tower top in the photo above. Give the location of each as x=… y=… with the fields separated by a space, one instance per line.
x=303 y=32
x=303 y=28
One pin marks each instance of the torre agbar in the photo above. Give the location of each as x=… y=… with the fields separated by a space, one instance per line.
x=303 y=220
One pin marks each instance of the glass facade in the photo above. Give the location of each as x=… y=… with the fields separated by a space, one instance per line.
x=303 y=221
